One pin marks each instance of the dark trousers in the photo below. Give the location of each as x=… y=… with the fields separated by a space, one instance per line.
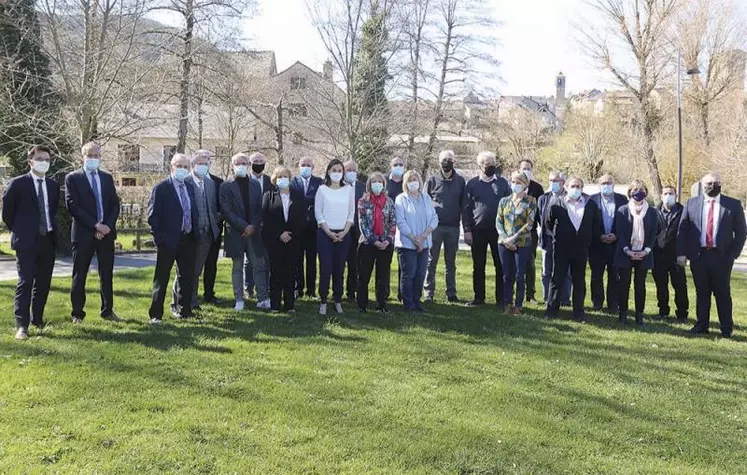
x=639 y=288
x=82 y=255
x=600 y=260
x=211 y=269
x=712 y=276
x=34 y=266
x=369 y=257
x=332 y=257
x=351 y=280
x=283 y=260
x=547 y=263
x=666 y=270
x=308 y=257
x=531 y=274
x=564 y=260
x=481 y=240
x=514 y=264
x=184 y=257
x=414 y=264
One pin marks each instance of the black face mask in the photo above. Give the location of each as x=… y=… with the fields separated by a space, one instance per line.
x=712 y=190
x=258 y=168
x=490 y=170
x=447 y=167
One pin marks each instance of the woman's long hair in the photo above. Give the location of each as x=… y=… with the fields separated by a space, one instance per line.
x=332 y=163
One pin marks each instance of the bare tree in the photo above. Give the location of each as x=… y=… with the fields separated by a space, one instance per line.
x=631 y=42
x=523 y=132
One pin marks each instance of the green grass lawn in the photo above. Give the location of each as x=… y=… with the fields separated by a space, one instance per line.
x=457 y=390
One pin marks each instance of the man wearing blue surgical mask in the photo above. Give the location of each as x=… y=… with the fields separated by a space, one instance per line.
x=665 y=258
x=556 y=189
x=91 y=197
x=307 y=185
x=257 y=164
x=394 y=183
x=351 y=280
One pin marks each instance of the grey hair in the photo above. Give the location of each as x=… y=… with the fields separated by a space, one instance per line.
x=177 y=157
x=256 y=155
x=446 y=155
x=485 y=155
x=237 y=156
x=200 y=154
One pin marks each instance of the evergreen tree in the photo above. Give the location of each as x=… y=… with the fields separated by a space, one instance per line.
x=369 y=93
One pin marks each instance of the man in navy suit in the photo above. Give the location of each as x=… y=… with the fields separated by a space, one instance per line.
x=91 y=199
x=603 y=248
x=665 y=258
x=351 y=280
x=556 y=191
x=307 y=184
x=711 y=235
x=257 y=163
x=172 y=215
x=30 y=204
x=211 y=263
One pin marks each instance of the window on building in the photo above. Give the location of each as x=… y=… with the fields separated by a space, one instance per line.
x=129 y=181
x=128 y=157
x=298 y=82
x=297 y=109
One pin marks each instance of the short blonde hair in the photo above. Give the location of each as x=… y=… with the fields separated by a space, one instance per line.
x=378 y=176
x=637 y=185
x=410 y=174
x=279 y=171
x=519 y=175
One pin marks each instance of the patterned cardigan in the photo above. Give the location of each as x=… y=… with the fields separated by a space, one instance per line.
x=365 y=220
x=515 y=223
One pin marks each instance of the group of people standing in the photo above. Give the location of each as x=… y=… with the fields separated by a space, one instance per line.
x=277 y=227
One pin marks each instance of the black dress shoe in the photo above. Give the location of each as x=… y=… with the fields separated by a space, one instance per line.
x=623 y=319
x=475 y=303
x=362 y=310
x=111 y=317
x=579 y=318
x=726 y=335
x=383 y=309
x=597 y=308
x=681 y=319
x=696 y=330
x=453 y=300
x=639 y=320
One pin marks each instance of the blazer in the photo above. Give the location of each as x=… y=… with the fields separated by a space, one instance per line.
x=211 y=190
x=266 y=182
x=624 y=227
x=666 y=241
x=309 y=196
x=165 y=213
x=233 y=207
x=81 y=204
x=273 y=218
x=218 y=182
x=620 y=201
x=730 y=236
x=564 y=234
x=543 y=212
x=21 y=210
x=360 y=190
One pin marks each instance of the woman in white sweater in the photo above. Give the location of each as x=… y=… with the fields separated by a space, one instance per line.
x=334 y=208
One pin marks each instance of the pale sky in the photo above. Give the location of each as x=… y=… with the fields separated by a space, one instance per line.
x=536 y=43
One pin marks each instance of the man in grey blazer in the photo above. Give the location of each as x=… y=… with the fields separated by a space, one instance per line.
x=206 y=227
x=241 y=205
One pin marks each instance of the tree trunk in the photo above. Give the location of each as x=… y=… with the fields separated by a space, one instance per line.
x=181 y=142
x=200 y=121
x=279 y=132
x=704 y=113
x=439 y=101
x=649 y=154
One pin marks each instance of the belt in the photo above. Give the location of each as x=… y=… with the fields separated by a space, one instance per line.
x=708 y=249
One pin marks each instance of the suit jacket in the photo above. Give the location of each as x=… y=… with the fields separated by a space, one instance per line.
x=543 y=211
x=360 y=190
x=624 y=227
x=234 y=212
x=165 y=213
x=597 y=245
x=81 y=204
x=536 y=191
x=730 y=235
x=266 y=183
x=218 y=182
x=564 y=234
x=309 y=196
x=21 y=210
x=666 y=241
x=211 y=190
x=273 y=219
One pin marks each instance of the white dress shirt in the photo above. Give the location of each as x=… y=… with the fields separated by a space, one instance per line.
x=285 y=198
x=46 y=197
x=704 y=223
x=576 y=211
x=91 y=177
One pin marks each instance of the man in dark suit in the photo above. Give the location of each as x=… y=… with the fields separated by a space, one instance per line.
x=603 y=248
x=241 y=205
x=665 y=258
x=307 y=184
x=556 y=190
x=91 y=198
x=257 y=163
x=30 y=204
x=172 y=216
x=211 y=263
x=351 y=178
x=711 y=235
x=573 y=221
x=536 y=191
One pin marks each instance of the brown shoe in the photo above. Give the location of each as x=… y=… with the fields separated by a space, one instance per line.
x=509 y=310
x=517 y=311
x=22 y=334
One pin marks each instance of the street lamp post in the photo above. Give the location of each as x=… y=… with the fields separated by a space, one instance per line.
x=690 y=72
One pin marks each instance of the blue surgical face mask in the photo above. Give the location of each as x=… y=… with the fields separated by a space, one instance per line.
x=555 y=186
x=201 y=170
x=92 y=164
x=398 y=170
x=669 y=200
x=377 y=188
x=180 y=174
x=350 y=177
x=305 y=171
x=574 y=193
x=517 y=188
x=283 y=183
x=608 y=189
x=40 y=167
x=239 y=170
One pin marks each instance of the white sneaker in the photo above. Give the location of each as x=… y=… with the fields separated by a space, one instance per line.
x=323 y=309
x=155 y=321
x=264 y=305
x=239 y=306
x=338 y=307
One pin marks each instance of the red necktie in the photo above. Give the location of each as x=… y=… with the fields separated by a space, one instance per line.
x=709 y=226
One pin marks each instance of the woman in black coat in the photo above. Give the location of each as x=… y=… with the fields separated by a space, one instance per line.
x=637 y=225
x=283 y=220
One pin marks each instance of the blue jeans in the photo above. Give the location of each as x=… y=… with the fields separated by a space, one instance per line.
x=414 y=265
x=514 y=264
x=332 y=258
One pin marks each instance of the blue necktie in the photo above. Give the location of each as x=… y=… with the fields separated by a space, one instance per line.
x=97 y=196
x=186 y=209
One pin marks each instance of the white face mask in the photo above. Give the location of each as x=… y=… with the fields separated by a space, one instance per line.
x=40 y=167
x=335 y=177
x=413 y=186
